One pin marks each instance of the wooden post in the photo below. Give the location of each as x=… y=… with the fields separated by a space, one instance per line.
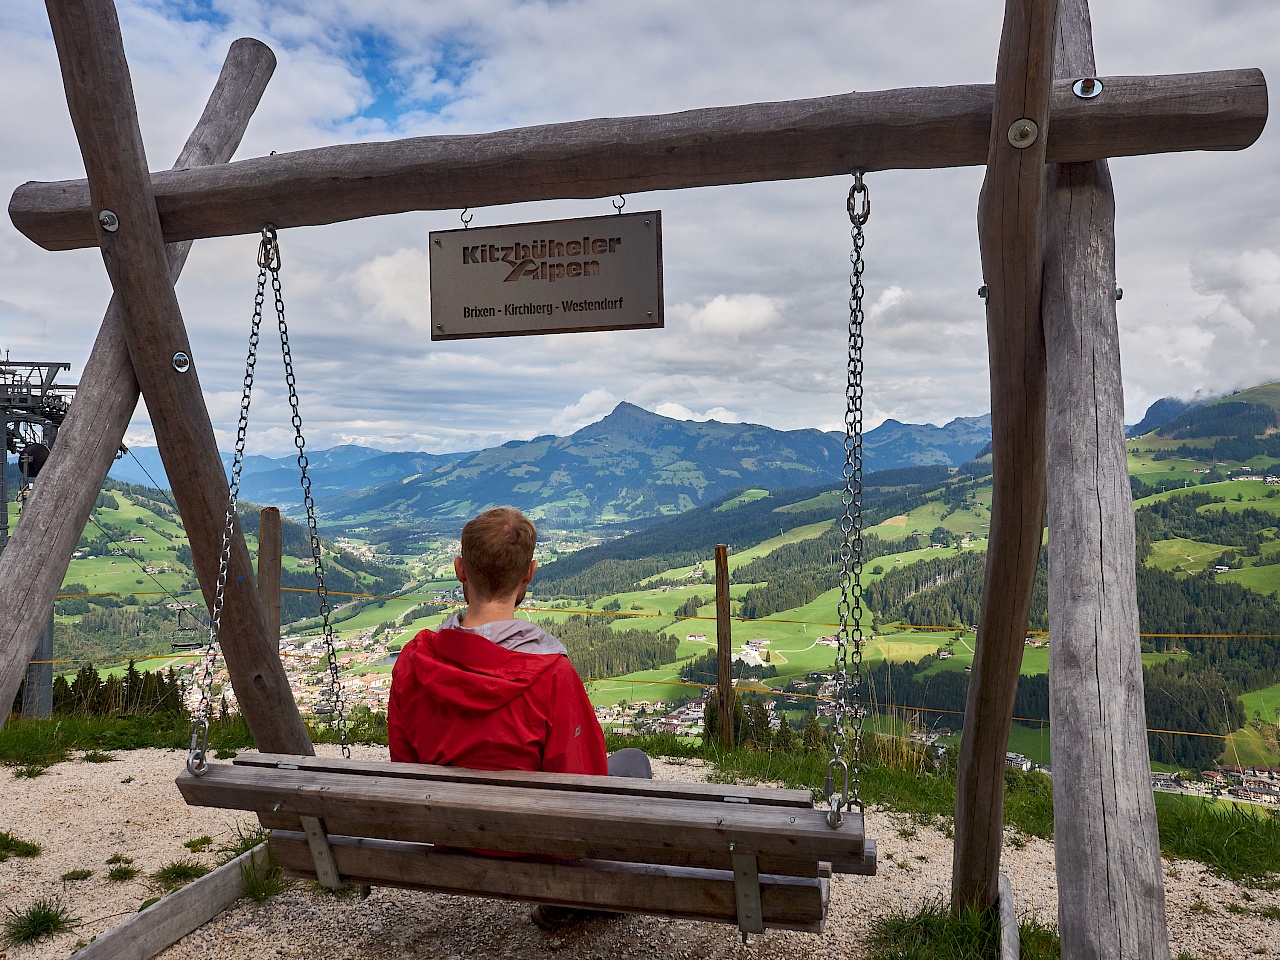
x=270 y=554
x=1010 y=238
x=100 y=97
x=915 y=128
x=724 y=647
x=1110 y=881
x=34 y=564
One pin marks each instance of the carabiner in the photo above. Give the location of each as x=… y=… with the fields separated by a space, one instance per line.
x=198 y=754
x=269 y=249
x=834 y=817
x=859 y=217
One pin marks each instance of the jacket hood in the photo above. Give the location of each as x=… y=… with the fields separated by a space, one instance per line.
x=519 y=636
x=473 y=673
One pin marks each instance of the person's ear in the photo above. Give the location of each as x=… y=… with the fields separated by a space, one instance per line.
x=533 y=568
x=459 y=570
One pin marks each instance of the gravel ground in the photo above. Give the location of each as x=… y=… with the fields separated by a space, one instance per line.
x=82 y=814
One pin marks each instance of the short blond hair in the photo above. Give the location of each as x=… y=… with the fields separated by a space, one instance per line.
x=497 y=548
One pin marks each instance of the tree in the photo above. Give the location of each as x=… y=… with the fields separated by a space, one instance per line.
x=784 y=741
x=759 y=735
x=814 y=737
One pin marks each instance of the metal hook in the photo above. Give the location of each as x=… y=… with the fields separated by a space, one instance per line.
x=619 y=204
x=466 y=220
x=269 y=249
x=859 y=217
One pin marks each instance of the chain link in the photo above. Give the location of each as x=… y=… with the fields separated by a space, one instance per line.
x=333 y=707
x=197 y=755
x=849 y=710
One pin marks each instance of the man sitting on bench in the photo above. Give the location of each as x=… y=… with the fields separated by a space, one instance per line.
x=490 y=692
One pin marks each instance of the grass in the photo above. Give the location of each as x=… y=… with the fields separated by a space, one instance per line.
x=934 y=932
x=71 y=876
x=11 y=846
x=245 y=839
x=199 y=844
x=42 y=920
x=263 y=878
x=122 y=873
x=178 y=874
x=97 y=756
x=1234 y=841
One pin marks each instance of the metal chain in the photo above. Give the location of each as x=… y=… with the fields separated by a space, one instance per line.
x=197 y=755
x=333 y=706
x=849 y=708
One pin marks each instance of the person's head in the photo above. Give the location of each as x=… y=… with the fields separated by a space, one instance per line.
x=497 y=555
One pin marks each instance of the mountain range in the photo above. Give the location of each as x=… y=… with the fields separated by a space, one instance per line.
x=631 y=465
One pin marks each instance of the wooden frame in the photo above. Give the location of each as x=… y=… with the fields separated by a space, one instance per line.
x=1046 y=234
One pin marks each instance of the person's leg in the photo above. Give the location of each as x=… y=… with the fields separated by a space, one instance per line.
x=630 y=762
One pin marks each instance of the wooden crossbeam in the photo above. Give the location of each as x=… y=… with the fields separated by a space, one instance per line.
x=1111 y=900
x=100 y=99
x=34 y=563
x=915 y=128
x=1010 y=236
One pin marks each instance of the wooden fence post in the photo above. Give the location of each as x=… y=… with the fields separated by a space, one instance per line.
x=270 y=555
x=1110 y=879
x=724 y=648
x=34 y=564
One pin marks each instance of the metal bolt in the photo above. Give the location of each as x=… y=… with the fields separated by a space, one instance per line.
x=1088 y=88
x=646 y=223
x=982 y=291
x=1023 y=133
x=437 y=241
x=109 y=221
x=1119 y=294
x=181 y=362
x=439 y=326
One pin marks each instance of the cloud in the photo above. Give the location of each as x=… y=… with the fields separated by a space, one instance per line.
x=755 y=275
x=678 y=411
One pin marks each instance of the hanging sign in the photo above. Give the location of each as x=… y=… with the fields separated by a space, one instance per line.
x=557 y=276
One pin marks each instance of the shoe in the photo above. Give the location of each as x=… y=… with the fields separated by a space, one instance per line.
x=553 y=919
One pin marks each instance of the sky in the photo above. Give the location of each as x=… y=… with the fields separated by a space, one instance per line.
x=755 y=275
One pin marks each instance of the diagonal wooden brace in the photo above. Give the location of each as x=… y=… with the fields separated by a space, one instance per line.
x=99 y=91
x=34 y=564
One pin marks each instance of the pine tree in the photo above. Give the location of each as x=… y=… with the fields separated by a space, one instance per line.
x=784 y=741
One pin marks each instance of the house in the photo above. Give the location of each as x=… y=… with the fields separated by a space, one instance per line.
x=1018 y=762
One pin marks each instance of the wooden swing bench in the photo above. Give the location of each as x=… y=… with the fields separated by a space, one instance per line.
x=750 y=856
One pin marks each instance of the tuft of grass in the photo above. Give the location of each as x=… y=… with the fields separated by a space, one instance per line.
x=30 y=771
x=122 y=873
x=262 y=878
x=1234 y=842
x=119 y=858
x=72 y=875
x=32 y=743
x=43 y=919
x=934 y=932
x=11 y=846
x=97 y=756
x=246 y=839
x=199 y=844
x=178 y=874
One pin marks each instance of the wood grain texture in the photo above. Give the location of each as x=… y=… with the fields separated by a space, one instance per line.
x=523 y=819
x=695 y=894
x=724 y=649
x=34 y=564
x=1009 y=946
x=1011 y=241
x=617 y=786
x=147 y=933
x=270 y=557
x=100 y=98
x=916 y=128
x=1110 y=882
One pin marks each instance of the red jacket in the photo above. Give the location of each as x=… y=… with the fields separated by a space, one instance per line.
x=459 y=699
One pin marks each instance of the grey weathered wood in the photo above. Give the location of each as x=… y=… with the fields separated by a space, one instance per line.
x=1110 y=882
x=524 y=819
x=695 y=894
x=270 y=556
x=322 y=861
x=34 y=564
x=910 y=128
x=724 y=648
x=619 y=786
x=1011 y=242
x=1009 y=946
x=145 y=934
x=100 y=98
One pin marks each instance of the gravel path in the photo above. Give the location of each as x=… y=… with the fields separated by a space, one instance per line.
x=82 y=814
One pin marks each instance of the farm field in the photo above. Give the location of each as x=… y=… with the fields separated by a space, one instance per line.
x=1265 y=703
x=1184 y=556
x=974 y=519
x=794 y=535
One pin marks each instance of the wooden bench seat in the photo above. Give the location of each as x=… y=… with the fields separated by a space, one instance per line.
x=731 y=854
